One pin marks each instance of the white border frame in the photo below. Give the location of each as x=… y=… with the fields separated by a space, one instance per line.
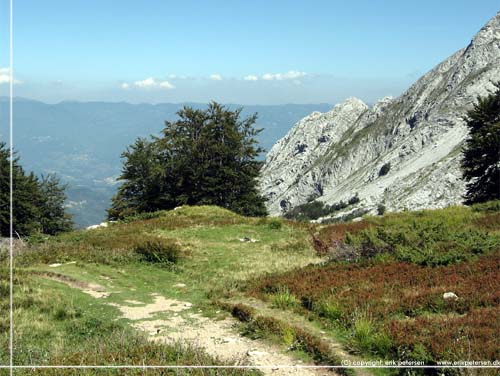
x=11 y=366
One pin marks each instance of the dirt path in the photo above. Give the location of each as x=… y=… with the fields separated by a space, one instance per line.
x=335 y=347
x=171 y=321
x=93 y=289
x=218 y=338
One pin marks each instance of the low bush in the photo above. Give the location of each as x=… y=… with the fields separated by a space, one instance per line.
x=329 y=309
x=316 y=209
x=283 y=299
x=404 y=303
x=381 y=209
x=243 y=312
x=430 y=237
x=158 y=250
x=275 y=223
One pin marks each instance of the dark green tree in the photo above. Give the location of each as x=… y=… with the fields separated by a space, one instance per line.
x=38 y=206
x=207 y=157
x=144 y=181
x=481 y=155
x=52 y=215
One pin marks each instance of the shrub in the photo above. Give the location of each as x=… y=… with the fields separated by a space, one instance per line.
x=308 y=211
x=329 y=310
x=381 y=209
x=384 y=170
x=316 y=209
x=288 y=337
x=354 y=200
x=283 y=299
x=158 y=250
x=275 y=223
x=366 y=339
x=363 y=332
x=243 y=312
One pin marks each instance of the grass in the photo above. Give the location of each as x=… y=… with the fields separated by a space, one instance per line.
x=379 y=290
x=55 y=325
x=202 y=248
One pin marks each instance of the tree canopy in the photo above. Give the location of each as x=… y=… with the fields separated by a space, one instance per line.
x=481 y=156
x=38 y=204
x=206 y=157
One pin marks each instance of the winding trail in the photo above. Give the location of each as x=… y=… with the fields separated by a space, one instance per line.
x=172 y=321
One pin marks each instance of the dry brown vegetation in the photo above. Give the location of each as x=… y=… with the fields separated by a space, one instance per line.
x=390 y=299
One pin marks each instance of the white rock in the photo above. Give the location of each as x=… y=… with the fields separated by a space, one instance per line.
x=54 y=265
x=248 y=240
x=450 y=295
x=93 y=227
x=256 y=353
x=334 y=155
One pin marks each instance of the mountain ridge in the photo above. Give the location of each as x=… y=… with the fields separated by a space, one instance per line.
x=333 y=156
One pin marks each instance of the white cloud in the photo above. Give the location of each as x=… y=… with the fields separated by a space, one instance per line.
x=150 y=83
x=166 y=85
x=290 y=75
x=268 y=77
x=215 y=77
x=5 y=76
x=125 y=86
x=251 y=78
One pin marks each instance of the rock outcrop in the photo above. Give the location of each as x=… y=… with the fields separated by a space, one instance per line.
x=402 y=153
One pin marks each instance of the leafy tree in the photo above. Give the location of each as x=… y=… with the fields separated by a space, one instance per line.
x=481 y=156
x=207 y=157
x=52 y=216
x=37 y=205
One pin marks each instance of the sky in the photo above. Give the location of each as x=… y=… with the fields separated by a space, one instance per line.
x=239 y=51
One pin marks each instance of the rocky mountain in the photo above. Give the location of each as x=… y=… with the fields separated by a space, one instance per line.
x=400 y=153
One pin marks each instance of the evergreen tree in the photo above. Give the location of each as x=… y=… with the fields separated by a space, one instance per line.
x=205 y=157
x=37 y=205
x=481 y=157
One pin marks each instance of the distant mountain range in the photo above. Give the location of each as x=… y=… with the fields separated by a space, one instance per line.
x=401 y=153
x=82 y=141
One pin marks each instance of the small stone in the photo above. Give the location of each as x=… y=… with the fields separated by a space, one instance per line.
x=256 y=353
x=229 y=340
x=247 y=240
x=450 y=296
x=54 y=265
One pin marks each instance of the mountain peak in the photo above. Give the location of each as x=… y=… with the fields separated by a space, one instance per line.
x=352 y=102
x=400 y=153
x=489 y=32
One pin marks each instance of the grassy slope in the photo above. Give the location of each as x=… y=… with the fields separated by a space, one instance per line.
x=385 y=303
x=59 y=325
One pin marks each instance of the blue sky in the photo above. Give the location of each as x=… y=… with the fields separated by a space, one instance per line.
x=247 y=52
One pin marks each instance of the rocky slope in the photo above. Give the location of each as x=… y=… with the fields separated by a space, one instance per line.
x=417 y=137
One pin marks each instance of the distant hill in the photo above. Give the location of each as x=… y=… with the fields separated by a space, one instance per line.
x=82 y=141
